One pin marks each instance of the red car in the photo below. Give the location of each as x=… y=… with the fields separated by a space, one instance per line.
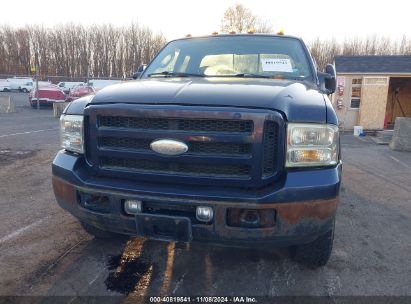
x=47 y=95
x=80 y=91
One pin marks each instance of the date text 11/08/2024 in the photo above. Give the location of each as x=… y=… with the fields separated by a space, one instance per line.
x=205 y=299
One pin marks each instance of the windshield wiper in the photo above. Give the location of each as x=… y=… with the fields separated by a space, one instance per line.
x=250 y=75
x=243 y=75
x=175 y=74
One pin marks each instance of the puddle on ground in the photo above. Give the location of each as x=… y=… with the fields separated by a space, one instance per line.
x=126 y=272
x=11 y=155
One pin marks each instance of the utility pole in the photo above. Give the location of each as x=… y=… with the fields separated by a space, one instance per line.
x=37 y=87
x=88 y=74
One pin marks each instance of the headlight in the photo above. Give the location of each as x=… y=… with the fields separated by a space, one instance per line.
x=311 y=145
x=71 y=133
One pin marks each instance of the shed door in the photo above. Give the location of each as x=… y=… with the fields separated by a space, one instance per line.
x=373 y=102
x=353 y=103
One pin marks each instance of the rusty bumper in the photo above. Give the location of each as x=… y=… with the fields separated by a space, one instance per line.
x=296 y=222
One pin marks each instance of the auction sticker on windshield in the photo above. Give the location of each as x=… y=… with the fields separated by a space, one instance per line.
x=276 y=65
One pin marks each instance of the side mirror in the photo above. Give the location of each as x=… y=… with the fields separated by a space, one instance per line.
x=331 y=80
x=140 y=70
x=328 y=80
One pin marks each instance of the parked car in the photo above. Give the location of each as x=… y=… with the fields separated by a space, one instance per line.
x=80 y=91
x=22 y=84
x=227 y=139
x=4 y=85
x=47 y=95
x=66 y=86
x=99 y=84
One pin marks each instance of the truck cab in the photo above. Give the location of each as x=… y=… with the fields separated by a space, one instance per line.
x=225 y=139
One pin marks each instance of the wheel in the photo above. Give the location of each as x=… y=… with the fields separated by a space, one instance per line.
x=24 y=90
x=316 y=253
x=98 y=233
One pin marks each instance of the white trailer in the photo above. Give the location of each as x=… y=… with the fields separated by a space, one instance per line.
x=23 y=84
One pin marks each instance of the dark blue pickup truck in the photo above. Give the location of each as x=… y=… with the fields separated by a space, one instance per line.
x=227 y=139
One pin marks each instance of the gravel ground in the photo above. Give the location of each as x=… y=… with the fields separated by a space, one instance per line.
x=45 y=252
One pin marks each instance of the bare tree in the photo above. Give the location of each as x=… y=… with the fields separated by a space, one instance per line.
x=239 y=19
x=324 y=51
x=76 y=51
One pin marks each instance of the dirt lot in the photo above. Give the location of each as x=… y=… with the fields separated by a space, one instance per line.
x=43 y=250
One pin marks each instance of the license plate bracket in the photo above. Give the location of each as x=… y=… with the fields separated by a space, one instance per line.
x=164 y=227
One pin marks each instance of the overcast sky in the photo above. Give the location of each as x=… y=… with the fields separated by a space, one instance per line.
x=176 y=18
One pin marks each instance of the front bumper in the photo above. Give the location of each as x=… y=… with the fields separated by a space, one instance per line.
x=305 y=203
x=44 y=101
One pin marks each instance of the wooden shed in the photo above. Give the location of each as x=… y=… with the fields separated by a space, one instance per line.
x=372 y=90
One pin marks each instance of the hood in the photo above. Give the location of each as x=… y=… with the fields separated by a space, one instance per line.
x=298 y=101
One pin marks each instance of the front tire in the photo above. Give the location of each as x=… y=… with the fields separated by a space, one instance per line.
x=98 y=233
x=316 y=253
x=24 y=90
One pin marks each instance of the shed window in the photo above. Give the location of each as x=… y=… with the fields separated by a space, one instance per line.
x=376 y=80
x=355 y=93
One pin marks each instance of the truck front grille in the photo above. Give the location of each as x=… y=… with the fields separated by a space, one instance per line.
x=226 y=147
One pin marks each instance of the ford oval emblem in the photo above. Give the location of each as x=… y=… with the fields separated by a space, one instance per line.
x=169 y=147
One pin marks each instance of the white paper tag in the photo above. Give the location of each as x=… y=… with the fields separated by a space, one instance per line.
x=276 y=65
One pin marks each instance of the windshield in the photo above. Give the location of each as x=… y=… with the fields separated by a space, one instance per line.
x=241 y=56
